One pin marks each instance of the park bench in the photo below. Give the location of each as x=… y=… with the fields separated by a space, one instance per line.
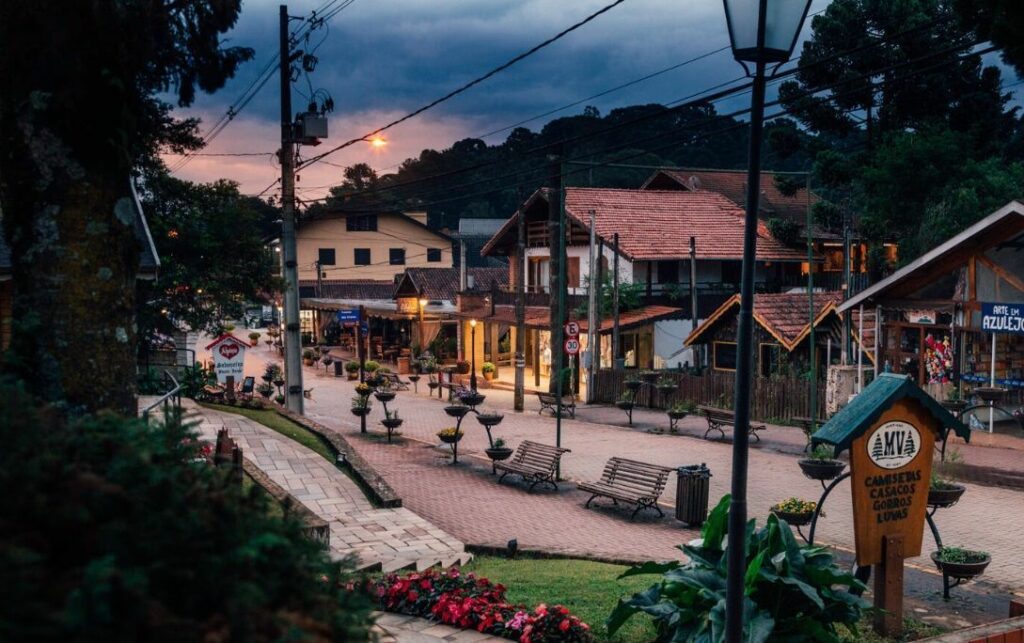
x=535 y=462
x=719 y=418
x=549 y=402
x=630 y=481
x=394 y=382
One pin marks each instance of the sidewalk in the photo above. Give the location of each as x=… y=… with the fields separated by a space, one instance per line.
x=392 y=538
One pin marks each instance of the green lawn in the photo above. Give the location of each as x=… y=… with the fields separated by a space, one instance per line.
x=272 y=420
x=590 y=590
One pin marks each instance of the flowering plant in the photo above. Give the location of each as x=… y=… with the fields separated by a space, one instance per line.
x=463 y=600
x=938 y=360
x=449 y=433
x=363 y=389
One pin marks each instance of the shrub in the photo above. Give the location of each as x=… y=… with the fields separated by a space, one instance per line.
x=309 y=354
x=793 y=592
x=118 y=532
x=371 y=366
x=254 y=337
x=351 y=367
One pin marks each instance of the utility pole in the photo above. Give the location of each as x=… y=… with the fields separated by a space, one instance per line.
x=616 y=362
x=520 y=357
x=292 y=339
x=319 y=280
x=810 y=302
x=694 y=315
x=600 y=303
x=847 y=330
x=557 y=325
x=592 y=308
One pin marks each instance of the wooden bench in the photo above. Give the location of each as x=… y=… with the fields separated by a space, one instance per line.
x=549 y=402
x=718 y=418
x=394 y=382
x=535 y=462
x=630 y=481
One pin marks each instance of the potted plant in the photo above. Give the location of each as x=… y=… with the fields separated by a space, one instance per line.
x=361 y=406
x=309 y=356
x=633 y=384
x=821 y=465
x=943 y=493
x=371 y=366
x=363 y=389
x=489 y=418
x=954 y=402
x=462 y=367
x=391 y=422
x=488 y=369
x=265 y=389
x=451 y=435
x=254 y=338
x=795 y=511
x=666 y=385
x=279 y=399
x=499 y=451
x=457 y=409
x=678 y=411
x=959 y=563
x=352 y=369
x=990 y=393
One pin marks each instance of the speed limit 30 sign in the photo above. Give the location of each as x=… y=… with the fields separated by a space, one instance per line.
x=572 y=346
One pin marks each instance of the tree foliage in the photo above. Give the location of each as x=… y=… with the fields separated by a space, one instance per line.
x=213 y=257
x=79 y=111
x=116 y=534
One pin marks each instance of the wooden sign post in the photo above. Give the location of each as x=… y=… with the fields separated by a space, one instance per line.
x=890 y=429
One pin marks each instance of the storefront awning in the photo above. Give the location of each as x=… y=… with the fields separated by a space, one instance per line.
x=387 y=308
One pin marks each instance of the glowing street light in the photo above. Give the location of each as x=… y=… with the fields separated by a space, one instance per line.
x=472 y=352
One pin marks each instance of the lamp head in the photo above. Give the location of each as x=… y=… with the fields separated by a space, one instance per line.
x=782 y=21
x=472 y=323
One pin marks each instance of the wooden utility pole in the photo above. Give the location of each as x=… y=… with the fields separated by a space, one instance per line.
x=556 y=244
x=616 y=363
x=698 y=357
x=592 y=288
x=292 y=338
x=520 y=357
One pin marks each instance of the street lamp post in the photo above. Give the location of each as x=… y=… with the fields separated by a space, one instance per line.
x=762 y=32
x=472 y=353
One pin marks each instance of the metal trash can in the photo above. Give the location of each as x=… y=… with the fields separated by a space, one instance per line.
x=338 y=366
x=692 y=490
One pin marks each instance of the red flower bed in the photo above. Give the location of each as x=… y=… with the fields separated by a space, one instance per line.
x=463 y=600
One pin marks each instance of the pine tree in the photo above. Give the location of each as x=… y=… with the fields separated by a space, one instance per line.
x=909 y=448
x=876 y=448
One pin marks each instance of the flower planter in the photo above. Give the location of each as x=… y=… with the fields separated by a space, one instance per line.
x=450 y=439
x=433 y=385
x=990 y=393
x=650 y=378
x=489 y=375
x=391 y=424
x=414 y=378
x=360 y=412
x=473 y=400
x=278 y=383
x=457 y=411
x=673 y=415
x=384 y=396
x=307 y=362
x=794 y=519
x=353 y=376
x=946 y=496
x=633 y=385
x=822 y=469
x=490 y=420
x=498 y=453
x=961 y=571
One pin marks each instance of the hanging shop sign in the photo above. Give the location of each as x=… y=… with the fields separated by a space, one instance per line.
x=1002 y=318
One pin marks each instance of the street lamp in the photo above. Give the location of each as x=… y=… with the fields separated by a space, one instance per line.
x=472 y=352
x=761 y=32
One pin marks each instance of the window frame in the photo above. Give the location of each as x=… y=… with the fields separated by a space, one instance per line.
x=714 y=355
x=320 y=256
x=355 y=256
x=435 y=255
x=392 y=259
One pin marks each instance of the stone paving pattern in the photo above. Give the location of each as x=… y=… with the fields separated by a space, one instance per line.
x=395 y=538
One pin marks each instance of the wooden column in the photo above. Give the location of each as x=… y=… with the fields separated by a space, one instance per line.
x=889 y=588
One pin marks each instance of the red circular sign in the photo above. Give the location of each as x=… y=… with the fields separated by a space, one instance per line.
x=572 y=346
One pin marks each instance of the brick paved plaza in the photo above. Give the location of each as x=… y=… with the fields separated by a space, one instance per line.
x=466 y=501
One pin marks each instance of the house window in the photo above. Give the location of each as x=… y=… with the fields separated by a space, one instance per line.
x=668 y=272
x=433 y=255
x=326 y=256
x=724 y=354
x=770 y=359
x=361 y=223
x=397 y=256
x=362 y=257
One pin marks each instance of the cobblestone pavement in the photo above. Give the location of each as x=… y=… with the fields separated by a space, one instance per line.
x=401 y=628
x=395 y=538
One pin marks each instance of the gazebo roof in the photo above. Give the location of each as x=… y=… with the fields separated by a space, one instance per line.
x=864 y=410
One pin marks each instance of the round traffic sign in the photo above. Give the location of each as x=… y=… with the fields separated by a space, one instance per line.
x=572 y=346
x=572 y=329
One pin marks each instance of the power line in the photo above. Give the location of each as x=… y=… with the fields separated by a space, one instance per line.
x=470 y=84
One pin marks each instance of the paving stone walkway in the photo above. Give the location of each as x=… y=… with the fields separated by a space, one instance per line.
x=394 y=538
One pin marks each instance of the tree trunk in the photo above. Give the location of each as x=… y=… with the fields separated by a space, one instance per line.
x=74 y=261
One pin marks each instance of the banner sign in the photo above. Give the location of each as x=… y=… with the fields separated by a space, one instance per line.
x=1002 y=318
x=228 y=354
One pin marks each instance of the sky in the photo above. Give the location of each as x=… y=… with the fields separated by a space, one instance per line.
x=380 y=59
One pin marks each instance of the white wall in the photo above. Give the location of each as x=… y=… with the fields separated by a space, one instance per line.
x=669 y=336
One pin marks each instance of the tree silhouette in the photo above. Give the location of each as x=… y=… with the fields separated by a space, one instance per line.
x=876 y=447
x=909 y=448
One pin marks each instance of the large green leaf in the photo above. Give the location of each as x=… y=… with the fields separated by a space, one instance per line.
x=636 y=603
x=750 y=580
x=717 y=524
x=651 y=567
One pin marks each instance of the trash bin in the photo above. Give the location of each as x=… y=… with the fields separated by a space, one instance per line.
x=692 y=490
x=338 y=366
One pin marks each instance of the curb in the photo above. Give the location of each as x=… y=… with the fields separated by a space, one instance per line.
x=375 y=484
